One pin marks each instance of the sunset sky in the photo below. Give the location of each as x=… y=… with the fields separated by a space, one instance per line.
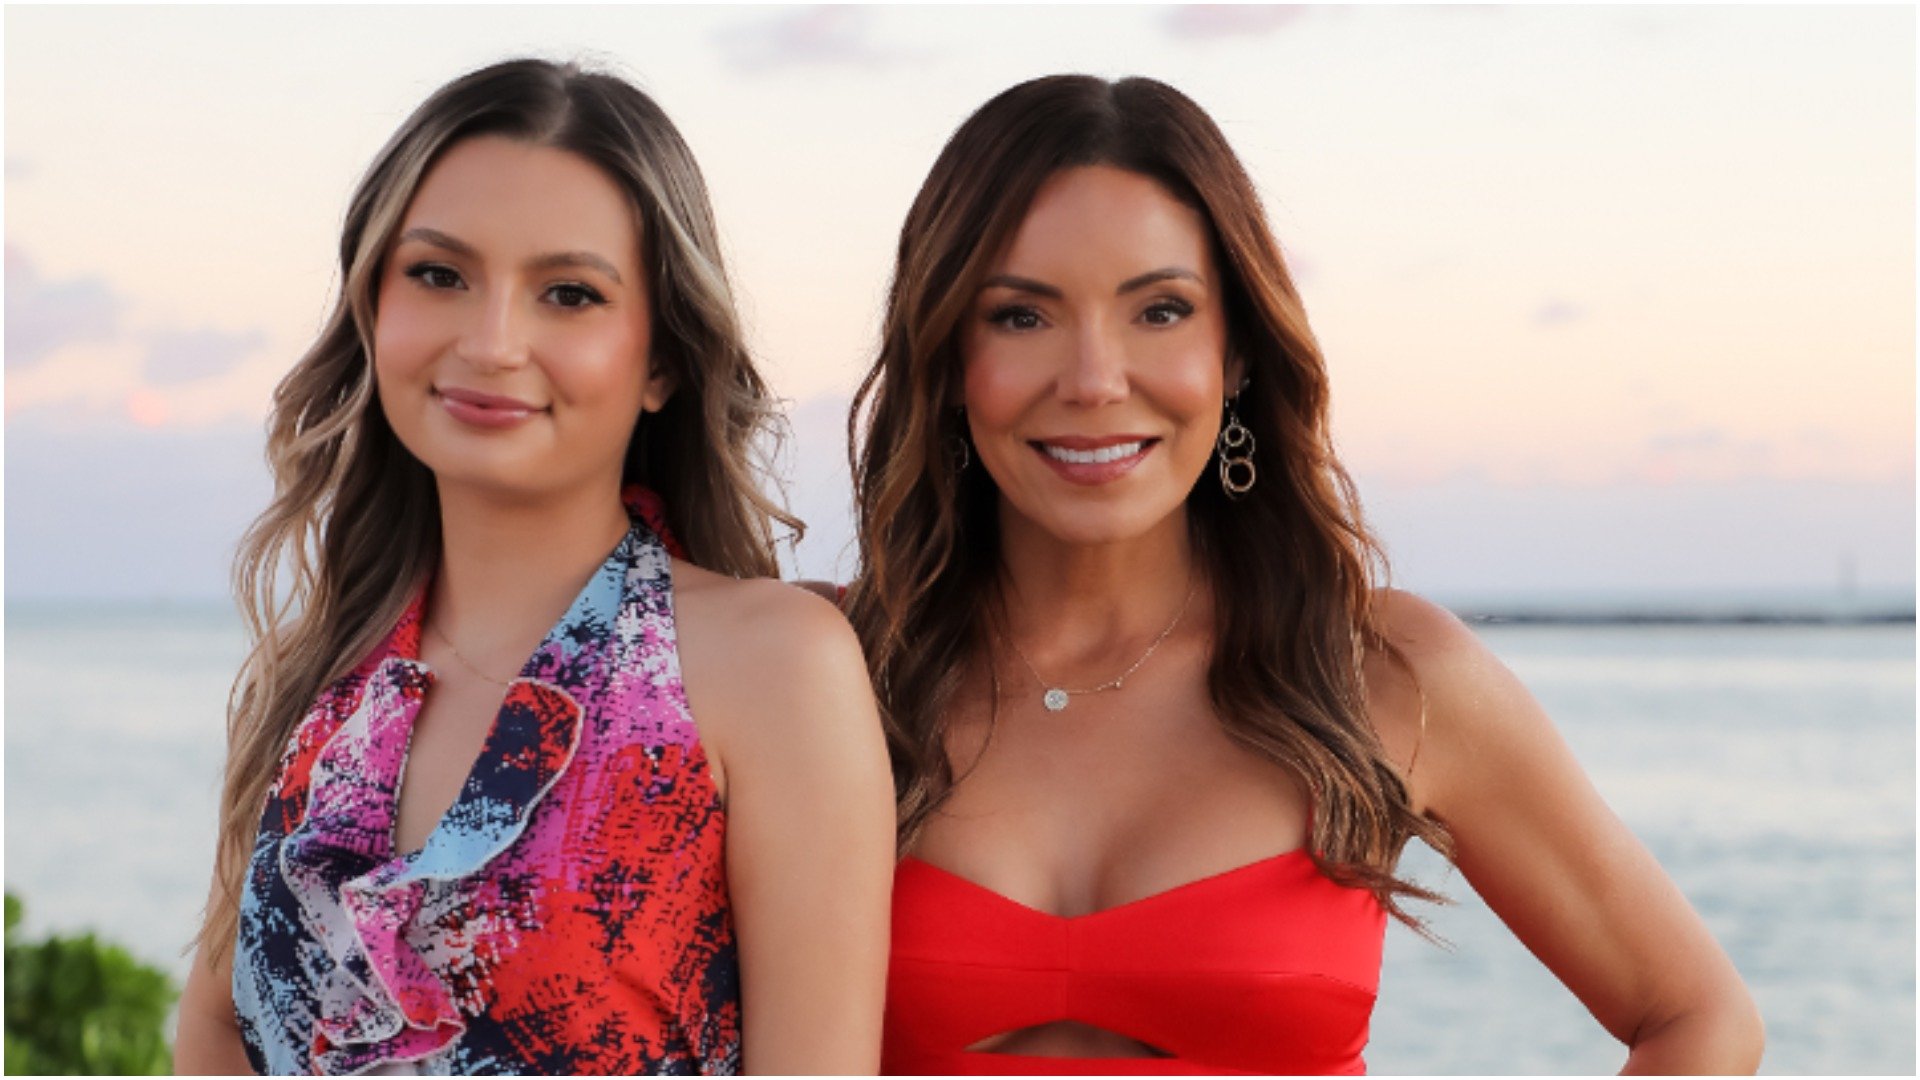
x=1613 y=298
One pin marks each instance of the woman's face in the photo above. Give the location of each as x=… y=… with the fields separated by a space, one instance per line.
x=512 y=327
x=1095 y=358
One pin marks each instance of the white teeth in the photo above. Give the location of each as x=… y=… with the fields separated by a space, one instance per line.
x=1093 y=457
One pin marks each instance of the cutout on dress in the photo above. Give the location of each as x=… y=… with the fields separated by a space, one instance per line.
x=1066 y=1039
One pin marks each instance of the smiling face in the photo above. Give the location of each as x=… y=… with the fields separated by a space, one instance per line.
x=1095 y=359
x=511 y=339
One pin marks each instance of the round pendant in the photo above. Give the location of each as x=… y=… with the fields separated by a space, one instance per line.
x=1054 y=699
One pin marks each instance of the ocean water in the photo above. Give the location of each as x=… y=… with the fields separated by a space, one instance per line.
x=1770 y=769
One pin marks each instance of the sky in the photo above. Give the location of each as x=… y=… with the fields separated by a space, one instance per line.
x=1613 y=300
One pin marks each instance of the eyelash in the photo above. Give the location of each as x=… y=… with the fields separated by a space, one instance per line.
x=587 y=295
x=577 y=295
x=425 y=273
x=1180 y=309
x=1005 y=315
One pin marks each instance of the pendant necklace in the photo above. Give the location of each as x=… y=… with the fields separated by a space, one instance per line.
x=464 y=662
x=1056 y=698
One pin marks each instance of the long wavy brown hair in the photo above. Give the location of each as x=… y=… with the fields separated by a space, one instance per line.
x=354 y=525
x=1298 y=618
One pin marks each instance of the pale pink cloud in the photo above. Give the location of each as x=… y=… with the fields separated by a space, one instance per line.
x=182 y=356
x=147 y=408
x=43 y=315
x=822 y=36
x=1557 y=312
x=78 y=339
x=1211 y=21
x=1703 y=452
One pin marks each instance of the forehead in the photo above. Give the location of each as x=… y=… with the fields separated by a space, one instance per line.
x=514 y=197
x=1098 y=216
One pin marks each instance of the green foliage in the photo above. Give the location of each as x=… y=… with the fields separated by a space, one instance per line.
x=79 y=1005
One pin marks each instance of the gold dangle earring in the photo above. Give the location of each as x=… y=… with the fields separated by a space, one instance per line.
x=1236 y=454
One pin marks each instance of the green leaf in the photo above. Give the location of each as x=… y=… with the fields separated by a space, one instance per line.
x=77 y=1004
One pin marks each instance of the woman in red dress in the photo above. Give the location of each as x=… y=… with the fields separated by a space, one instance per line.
x=1159 y=733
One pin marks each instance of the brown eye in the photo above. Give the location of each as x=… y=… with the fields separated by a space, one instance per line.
x=1015 y=317
x=1166 y=312
x=574 y=295
x=435 y=276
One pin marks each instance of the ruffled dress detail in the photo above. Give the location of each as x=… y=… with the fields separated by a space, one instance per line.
x=568 y=914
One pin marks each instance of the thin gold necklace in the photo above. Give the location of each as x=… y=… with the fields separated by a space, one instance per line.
x=1056 y=698
x=464 y=662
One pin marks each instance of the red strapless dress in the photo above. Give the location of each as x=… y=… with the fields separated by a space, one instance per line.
x=1270 y=968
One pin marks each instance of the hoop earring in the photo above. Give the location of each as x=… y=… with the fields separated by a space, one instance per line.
x=1235 y=446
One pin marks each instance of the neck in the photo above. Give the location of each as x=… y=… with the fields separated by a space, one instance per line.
x=1077 y=609
x=508 y=568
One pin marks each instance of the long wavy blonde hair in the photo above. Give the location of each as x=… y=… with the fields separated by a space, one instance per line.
x=354 y=524
x=1295 y=616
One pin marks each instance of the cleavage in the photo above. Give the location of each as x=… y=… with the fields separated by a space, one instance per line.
x=448 y=736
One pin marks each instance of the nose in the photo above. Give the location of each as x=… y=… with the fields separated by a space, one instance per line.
x=1096 y=373
x=496 y=338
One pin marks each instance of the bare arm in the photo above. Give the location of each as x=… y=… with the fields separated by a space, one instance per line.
x=810 y=825
x=1537 y=842
x=208 y=1040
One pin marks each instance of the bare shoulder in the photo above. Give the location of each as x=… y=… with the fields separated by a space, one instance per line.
x=1429 y=637
x=1433 y=687
x=763 y=629
x=747 y=602
x=768 y=667
x=1450 y=696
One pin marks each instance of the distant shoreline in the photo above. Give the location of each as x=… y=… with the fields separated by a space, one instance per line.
x=1684 y=618
x=1648 y=611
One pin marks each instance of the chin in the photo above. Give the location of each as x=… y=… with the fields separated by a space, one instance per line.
x=490 y=482
x=1103 y=524
x=508 y=474
x=500 y=471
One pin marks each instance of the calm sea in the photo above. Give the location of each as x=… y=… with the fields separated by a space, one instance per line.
x=1770 y=769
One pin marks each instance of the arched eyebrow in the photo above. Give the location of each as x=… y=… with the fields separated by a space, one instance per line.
x=1138 y=281
x=577 y=258
x=1154 y=277
x=544 y=262
x=1020 y=284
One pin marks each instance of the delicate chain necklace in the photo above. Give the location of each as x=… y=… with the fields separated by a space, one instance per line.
x=1056 y=698
x=464 y=662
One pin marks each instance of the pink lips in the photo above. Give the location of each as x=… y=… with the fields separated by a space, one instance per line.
x=1093 y=472
x=484 y=410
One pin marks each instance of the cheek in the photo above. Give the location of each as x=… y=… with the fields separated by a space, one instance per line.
x=405 y=338
x=1191 y=374
x=1199 y=383
x=999 y=383
x=600 y=373
x=624 y=369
